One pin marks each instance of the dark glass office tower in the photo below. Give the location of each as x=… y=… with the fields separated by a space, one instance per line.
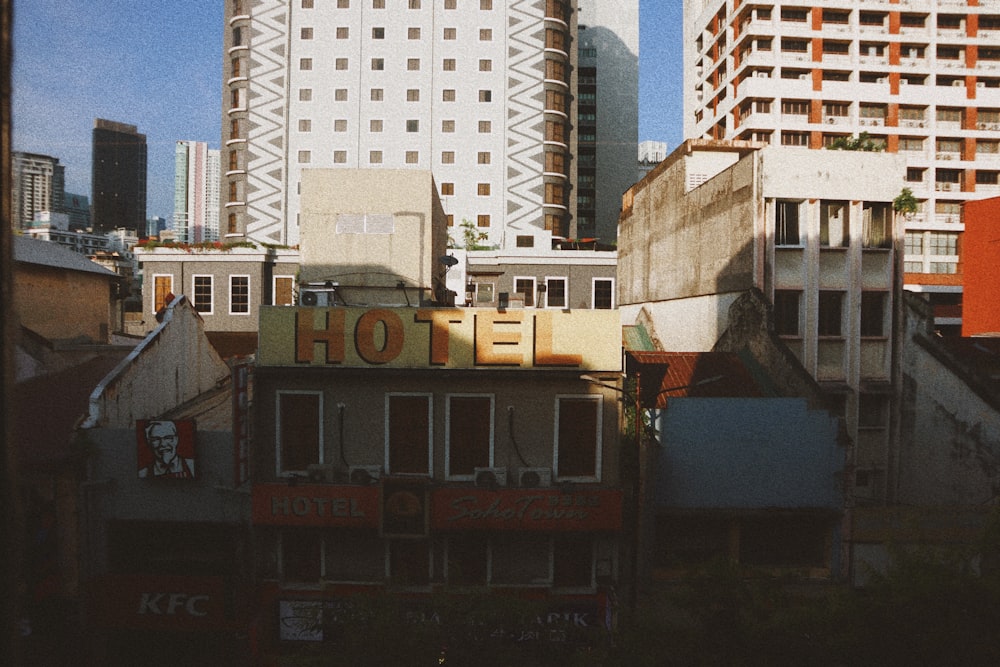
x=118 y=177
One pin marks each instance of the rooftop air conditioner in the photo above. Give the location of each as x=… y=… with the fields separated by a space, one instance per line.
x=365 y=475
x=321 y=472
x=490 y=478
x=534 y=478
x=321 y=297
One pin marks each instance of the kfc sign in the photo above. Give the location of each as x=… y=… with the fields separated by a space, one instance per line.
x=159 y=603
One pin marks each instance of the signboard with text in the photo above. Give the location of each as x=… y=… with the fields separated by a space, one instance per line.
x=315 y=505
x=440 y=338
x=526 y=509
x=160 y=602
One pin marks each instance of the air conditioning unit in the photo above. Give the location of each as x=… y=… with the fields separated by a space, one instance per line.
x=980 y=84
x=831 y=119
x=803 y=76
x=980 y=126
x=882 y=79
x=490 y=478
x=904 y=82
x=958 y=84
x=945 y=186
x=321 y=472
x=321 y=297
x=534 y=478
x=364 y=475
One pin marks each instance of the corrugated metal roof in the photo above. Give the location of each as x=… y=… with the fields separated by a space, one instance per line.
x=635 y=337
x=699 y=374
x=48 y=253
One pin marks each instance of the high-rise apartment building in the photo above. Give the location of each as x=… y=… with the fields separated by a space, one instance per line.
x=479 y=92
x=196 y=192
x=39 y=185
x=118 y=176
x=920 y=78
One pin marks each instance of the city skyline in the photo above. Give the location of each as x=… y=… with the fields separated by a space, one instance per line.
x=176 y=91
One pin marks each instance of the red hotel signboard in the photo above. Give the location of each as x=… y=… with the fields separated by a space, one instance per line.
x=315 y=505
x=526 y=509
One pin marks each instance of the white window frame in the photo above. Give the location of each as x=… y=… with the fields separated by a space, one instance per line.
x=534 y=289
x=211 y=293
x=593 y=292
x=274 y=288
x=249 y=304
x=599 y=444
x=447 y=433
x=170 y=289
x=277 y=429
x=430 y=433
x=565 y=282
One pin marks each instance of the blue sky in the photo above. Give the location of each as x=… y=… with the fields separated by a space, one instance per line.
x=157 y=65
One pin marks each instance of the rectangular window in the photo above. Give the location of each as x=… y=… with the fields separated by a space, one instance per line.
x=786 y=312
x=483 y=189
x=447 y=189
x=409 y=560
x=305 y=94
x=467 y=558
x=413 y=33
x=340 y=125
x=413 y=95
x=450 y=4
x=378 y=32
x=484 y=291
x=604 y=294
x=526 y=288
x=447 y=157
x=486 y=4
x=485 y=127
x=408 y=434
x=485 y=65
x=469 y=439
x=448 y=95
x=340 y=95
x=343 y=32
x=914 y=243
x=831 y=313
x=283 y=293
x=305 y=157
x=162 y=286
x=375 y=157
x=414 y=4
x=876 y=226
x=786 y=223
x=376 y=94
x=239 y=295
x=301 y=556
x=412 y=157
x=305 y=64
x=572 y=561
x=203 y=294
x=378 y=4
x=577 y=453
x=343 y=4
x=305 y=125
x=449 y=33
x=483 y=220
x=448 y=65
x=485 y=35
x=483 y=157
x=834 y=230
x=555 y=290
x=413 y=64
x=447 y=126
x=943 y=243
x=413 y=125
x=306 y=33
x=339 y=157
x=375 y=125
x=378 y=64
x=485 y=95
x=873 y=313
x=299 y=426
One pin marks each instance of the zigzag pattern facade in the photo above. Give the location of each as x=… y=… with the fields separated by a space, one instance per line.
x=268 y=105
x=525 y=117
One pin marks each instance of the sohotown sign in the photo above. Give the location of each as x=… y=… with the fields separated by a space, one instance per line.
x=514 y=509
x=440 y=338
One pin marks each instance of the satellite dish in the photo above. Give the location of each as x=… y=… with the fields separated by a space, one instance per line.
x=448 y=260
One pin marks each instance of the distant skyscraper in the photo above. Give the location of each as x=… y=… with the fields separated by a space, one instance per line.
x=155 y=226
x=482 y=94
x=118 y=177
x=78 y=209
x=196 y=192
x=39 y=185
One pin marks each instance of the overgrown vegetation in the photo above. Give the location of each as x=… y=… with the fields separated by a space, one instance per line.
x=862 y=142
x=472 y=237
x=202 y=245
x=905 y=202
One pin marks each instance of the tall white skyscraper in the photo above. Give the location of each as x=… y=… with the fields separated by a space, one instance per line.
x=479 y=92
x=196 y=192
x=920 y=78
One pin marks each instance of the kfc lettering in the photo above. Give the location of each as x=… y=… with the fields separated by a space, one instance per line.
x=171 y=604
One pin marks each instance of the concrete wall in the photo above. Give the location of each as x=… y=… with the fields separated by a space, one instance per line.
x=949 y=446
x=173 y=364
x=410 y=252
x=60 y=304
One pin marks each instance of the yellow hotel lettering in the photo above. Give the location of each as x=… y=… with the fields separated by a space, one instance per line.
x=440 y=337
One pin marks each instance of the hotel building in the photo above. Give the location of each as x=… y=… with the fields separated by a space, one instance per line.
x=921 y=78
x=479 y=92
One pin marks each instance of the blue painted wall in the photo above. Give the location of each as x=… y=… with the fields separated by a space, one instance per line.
x=745 y=453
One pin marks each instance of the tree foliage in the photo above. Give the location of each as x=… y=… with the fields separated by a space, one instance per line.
x=862 y=142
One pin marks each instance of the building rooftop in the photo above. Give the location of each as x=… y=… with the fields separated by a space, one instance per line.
x=47 y=253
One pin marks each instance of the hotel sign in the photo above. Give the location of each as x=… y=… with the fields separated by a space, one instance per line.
x=526 y=509
x=315 y=505
x=440 y=338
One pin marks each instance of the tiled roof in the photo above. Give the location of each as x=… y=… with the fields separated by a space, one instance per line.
x=699 y=374
x=48 y=253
